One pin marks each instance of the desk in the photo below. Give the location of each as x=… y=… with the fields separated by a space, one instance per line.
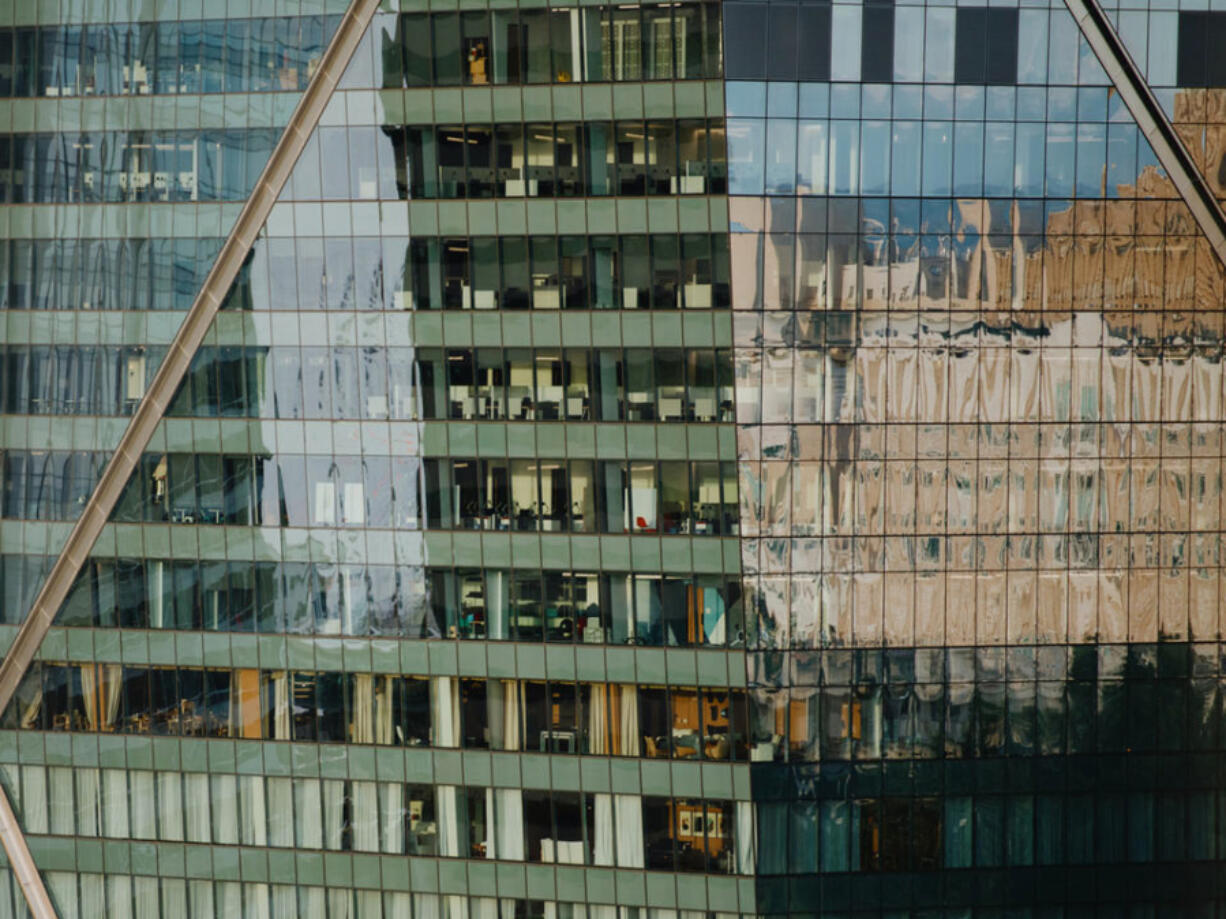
x=561 y=741
x=671 y=409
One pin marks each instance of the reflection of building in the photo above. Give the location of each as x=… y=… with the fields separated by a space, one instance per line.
x=981 y=505
x=678 y=460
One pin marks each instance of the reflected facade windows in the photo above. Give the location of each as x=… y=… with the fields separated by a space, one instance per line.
x=969 y=313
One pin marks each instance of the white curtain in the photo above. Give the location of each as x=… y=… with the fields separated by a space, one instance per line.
x=385 y=728
x=365 y=816
x=229 y=898
x=225 y=808
x=63 y=892
x=497 y=605
x=89 y=803
x=509 y=824
x=308 y=814
x=494 y=717
x=156 y=578
x=281 y=727
x=115 y=802
x=174 y=898
x=340 y=903
x=397 y=906
x=170 y=806
x=508 y=809
x=312 y=904
x=426 y=906
x=456 y=907
x=255 y=824
x=391 y=813
x=629 y=809
x=256 y=897
x=362 y=730
x=602 y=819
x=146 y=896
x=196 y=798
x=144 y=804
x=281 y=812
x=445 y=711
x=485 y=908
x=743 y=835
x=118 y=896
x=334 y=812
x=284 y=901
x=34 y=799
x=369 y=904
x=445 y=723
x=93 y=895
x=200 y=898
x=59 y=784
x=626 y=737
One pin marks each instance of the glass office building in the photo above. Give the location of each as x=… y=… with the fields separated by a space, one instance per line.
x=663 y=460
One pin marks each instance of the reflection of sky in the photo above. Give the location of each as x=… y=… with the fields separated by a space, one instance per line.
x=1028 y=141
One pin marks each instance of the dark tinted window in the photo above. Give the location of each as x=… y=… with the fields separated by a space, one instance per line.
x=1201 y=61
x=777 y=41
x=986 y=46
x=877 y=44
x=813 y=37
x=745 y=41
x=781 y=42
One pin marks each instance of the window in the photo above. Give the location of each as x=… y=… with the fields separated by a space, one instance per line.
x=745 y=57
x=1198 y=33
x=783 y=41
x=986 y=46
x=877 y=43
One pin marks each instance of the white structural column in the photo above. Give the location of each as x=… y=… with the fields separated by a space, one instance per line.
x=1130 y=83
x=151 y=409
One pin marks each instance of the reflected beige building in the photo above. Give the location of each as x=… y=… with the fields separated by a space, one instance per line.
x=1005 y=433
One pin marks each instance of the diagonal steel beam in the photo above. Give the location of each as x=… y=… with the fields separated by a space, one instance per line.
x=153 y=406
x=1135 y=92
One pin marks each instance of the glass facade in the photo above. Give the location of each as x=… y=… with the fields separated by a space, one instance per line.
x=977 y=350
x=689 y=460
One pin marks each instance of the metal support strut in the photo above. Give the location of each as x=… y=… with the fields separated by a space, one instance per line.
x=1130 y=83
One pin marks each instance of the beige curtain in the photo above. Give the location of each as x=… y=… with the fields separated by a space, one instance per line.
x=626 y=739
x=385 y=728
x=100 y=685
x=598 y=720
x=503 y=704
x=31 y=699
x=362 y=729
x=282 y=728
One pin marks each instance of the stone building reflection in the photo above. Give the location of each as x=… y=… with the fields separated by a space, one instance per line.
x=982 y=421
